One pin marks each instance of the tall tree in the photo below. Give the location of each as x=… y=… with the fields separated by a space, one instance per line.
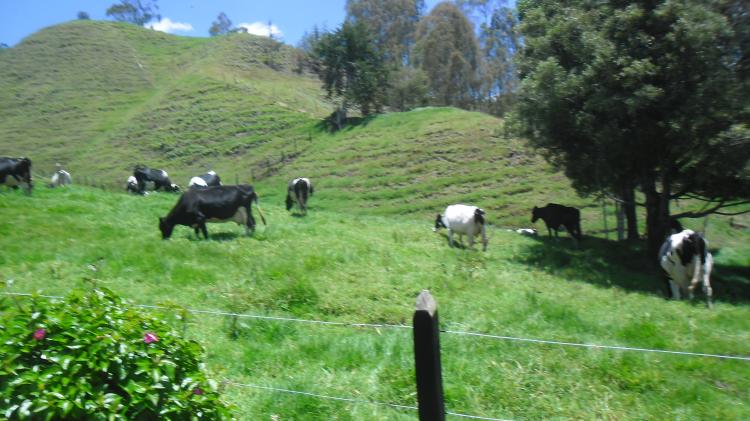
x=499 y=40
x=448 y=52
x=393 y=24
x=136 y=12
x=649 y=94
x=352 y=68
x=221 y=26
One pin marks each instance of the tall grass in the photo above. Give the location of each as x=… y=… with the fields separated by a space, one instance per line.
x=339 y=266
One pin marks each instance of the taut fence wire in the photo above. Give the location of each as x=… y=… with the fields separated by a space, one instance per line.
x=447 y=331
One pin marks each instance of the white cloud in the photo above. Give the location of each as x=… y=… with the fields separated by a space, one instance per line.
x=166 y=25
x=262 y=29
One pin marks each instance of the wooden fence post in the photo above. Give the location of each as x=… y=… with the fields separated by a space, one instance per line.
x=427 y=359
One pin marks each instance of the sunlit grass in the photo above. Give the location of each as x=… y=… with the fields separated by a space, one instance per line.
x=355 y=268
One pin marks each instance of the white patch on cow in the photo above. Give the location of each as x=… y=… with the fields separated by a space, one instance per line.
x=164 y=173
x=460 y=219
x=526 y=231
x=197 y=181
x=212 y=172
x=132 y=180
x=60 y=178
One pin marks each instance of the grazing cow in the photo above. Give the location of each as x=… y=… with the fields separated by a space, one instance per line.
x=212 y=204
x=297 y=192
x=132 y=185
x=160 y=178
x=463 y=219
x=686 y=261
x=60 y=177
x=205 y=180
x=16 y=172
x=555 y=215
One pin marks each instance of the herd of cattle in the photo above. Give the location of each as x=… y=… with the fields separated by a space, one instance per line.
x=684 y=256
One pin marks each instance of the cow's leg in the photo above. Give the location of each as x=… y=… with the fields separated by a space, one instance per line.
x=450 y=237
x=484 y=238
x=470 y=235
x=205 y=231
x=675 y=290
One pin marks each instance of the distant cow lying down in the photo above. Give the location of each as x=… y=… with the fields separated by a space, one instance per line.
x=686 y=262
x=212 y=204
x=463 y=219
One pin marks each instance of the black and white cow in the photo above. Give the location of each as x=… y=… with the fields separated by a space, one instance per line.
x=16 y=172
x=159 y=178
x=686 y=262
x=208 y=179
x=463 y=219
x=555 y=215
x=212 y=204
x=132 y=185
x=297 y=192
x=60 y=177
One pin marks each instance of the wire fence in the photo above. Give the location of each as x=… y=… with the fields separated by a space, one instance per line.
x=394 y=326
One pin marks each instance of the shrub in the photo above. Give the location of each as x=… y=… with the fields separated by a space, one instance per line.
x=91 y=356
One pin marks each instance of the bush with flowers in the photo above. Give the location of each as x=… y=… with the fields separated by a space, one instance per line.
x=90 y=356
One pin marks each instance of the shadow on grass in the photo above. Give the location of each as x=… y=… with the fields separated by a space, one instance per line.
x=625 y=265
x=217 y=236
x=327 y=125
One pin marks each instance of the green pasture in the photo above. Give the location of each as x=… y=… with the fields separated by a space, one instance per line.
x=337 y=265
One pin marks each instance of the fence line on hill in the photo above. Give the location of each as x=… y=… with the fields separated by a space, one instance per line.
x=394 y=326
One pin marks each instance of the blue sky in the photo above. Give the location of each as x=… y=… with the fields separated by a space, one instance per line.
x=290 y=18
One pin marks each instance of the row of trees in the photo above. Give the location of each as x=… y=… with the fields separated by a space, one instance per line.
x=389 y=53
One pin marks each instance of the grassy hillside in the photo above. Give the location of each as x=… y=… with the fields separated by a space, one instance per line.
x=101 y=97
x=343 y=267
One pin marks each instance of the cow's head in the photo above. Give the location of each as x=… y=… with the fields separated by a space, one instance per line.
x=535 y=214
x=693 y=245
x=438 y=223
x=165 y=228
x=174 y=188
x=479 y=216
x=289 y=201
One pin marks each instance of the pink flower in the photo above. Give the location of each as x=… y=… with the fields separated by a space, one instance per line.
x=198 y=391
x=39 y=334
x=150 y=337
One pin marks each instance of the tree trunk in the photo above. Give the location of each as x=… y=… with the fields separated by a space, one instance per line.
x=657 y=213
x=628 y=197
x=620 y=213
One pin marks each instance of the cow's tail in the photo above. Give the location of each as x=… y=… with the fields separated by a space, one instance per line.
x=260 y=212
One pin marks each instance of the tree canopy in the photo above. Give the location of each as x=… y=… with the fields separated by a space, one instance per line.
x=392 y=23
x=649 y=94
x=221 y=26
x=136 y=12
x=352 y=67
x=448 y=52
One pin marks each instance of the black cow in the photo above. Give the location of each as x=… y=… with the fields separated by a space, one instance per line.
x=555 y=215
x=206 y=180
x=160 y=178
x=16 y=172
x=212 y=204
x=297 y=192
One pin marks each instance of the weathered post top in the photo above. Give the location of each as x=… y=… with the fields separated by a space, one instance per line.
x=426 y=302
